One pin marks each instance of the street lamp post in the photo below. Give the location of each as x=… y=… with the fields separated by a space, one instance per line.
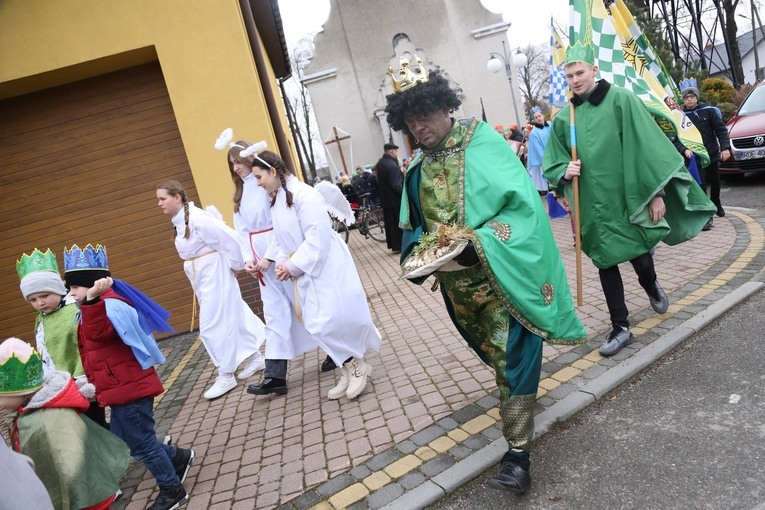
x=496 y=62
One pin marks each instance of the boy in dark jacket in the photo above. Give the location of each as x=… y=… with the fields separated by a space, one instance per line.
x=112 y=340
x=708 y=121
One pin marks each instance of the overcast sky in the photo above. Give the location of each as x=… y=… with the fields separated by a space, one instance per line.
x=529 y=26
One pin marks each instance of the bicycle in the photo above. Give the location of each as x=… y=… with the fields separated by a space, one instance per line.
x=340 y=227
x=370 y=220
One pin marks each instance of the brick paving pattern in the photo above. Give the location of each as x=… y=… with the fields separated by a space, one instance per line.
x=430 y=403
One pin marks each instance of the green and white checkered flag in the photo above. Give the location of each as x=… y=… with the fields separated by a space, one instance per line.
x=626 y=58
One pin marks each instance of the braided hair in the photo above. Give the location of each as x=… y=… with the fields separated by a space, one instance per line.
x=174 y=188
x=233 y=153
x=268 y=158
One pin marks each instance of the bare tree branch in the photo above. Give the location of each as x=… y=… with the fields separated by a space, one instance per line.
x=534 y=77
x=299 y=102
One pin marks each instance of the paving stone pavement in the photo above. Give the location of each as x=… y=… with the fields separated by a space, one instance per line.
x=431 y=403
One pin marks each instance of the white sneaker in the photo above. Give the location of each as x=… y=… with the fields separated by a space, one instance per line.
x=358 y=373
x=222 y=386
x=253 y=366
x=339 y=390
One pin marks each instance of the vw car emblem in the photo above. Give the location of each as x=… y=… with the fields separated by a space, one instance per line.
x=759 y=140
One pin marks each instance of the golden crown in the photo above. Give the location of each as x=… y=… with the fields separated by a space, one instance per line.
x=407 y=77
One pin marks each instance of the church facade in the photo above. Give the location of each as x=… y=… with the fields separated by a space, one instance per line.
x=348 y=76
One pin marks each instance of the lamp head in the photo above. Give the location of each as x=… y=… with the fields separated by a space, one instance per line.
x=494 y=65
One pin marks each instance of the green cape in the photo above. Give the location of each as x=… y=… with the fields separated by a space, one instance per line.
x=79 y=462
x=626 y=160
x=515 y=243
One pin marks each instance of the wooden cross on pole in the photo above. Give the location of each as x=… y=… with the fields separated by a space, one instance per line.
x=337 y=139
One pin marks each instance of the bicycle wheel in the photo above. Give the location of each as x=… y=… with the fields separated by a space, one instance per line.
x=341 y=228
x=375 y=225
x=362 y=224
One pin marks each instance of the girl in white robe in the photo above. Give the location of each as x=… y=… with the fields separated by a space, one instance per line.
x=286 y=335
x=332 y=303
x=229 y=330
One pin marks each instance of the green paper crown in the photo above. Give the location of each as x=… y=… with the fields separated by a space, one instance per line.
x=19 y=378
x=580 y=52
x=36 y=261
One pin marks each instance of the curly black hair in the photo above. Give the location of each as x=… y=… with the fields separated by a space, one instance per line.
x=425 y=97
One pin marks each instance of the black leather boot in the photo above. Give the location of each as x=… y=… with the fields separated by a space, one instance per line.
x=512 y=476
x=267 y=386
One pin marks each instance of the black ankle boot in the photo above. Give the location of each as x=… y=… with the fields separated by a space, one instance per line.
x=269 y=385
x=514 y=474
x=328 y=365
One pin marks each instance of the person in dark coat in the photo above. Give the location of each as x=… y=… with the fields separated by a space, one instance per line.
x=708 y=121
x=366 y=184
x=390 y=182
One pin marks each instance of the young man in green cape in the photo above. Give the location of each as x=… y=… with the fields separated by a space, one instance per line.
x=634 y=189
x=509 y=291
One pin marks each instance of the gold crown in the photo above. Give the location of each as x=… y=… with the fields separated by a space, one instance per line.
x=407 y=77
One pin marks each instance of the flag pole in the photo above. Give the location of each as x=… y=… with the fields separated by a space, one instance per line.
x=577 y=223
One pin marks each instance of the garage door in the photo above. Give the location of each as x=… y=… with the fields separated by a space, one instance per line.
x=79 y=164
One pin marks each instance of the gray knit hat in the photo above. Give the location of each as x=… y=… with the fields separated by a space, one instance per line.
x=42 y=281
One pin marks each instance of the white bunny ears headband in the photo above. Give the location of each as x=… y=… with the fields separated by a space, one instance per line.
x=224 y=140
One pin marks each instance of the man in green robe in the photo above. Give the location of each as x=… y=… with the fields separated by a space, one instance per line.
x=511 y=292
x=634 y=189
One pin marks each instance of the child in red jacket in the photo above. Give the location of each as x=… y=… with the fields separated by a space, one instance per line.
x=118 y=355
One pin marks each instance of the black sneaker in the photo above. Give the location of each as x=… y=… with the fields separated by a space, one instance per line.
x=170 y=498
x=658 y=298
x=512 y=476
x=182 y=462
x=720 y=211
x=708 y=225
x=267 y=386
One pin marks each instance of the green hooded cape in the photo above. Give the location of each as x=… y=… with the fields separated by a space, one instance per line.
x=626 y=160
x=514 y=241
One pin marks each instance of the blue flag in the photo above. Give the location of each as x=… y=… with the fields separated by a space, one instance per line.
x=693 y=169
x=554 y=209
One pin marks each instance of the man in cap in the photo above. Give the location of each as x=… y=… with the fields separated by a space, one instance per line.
x=509 y=290
x=708 y=121
x=390 y=182
x=634 y=190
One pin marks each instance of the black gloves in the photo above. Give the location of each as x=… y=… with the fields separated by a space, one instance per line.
x=468 y=257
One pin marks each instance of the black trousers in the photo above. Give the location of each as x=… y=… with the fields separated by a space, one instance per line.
x=613 y=287
x=276 y=368
x=710 y=178
x=393 y=233
x=97 y=414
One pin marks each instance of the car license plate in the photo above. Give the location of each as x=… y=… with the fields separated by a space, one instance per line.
x=751 y=154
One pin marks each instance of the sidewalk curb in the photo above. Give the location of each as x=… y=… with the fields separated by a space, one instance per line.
x=472 y=466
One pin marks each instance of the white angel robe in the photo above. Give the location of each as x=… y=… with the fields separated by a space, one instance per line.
x=333 y=304
x=286 y=335
x=229 y=330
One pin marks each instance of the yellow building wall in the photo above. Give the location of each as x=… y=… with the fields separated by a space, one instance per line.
x=202 y=47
